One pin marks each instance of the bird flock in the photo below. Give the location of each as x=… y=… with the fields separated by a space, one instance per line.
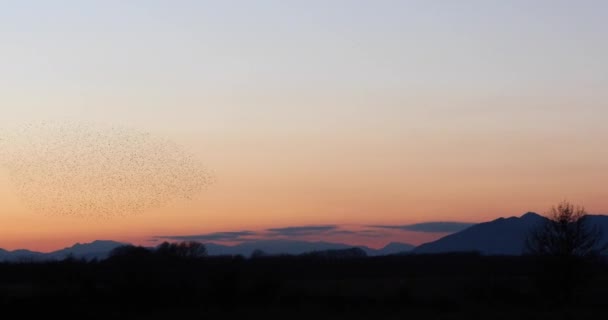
x=94 y=170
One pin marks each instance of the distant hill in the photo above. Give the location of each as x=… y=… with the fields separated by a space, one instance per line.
x=100 y=249
x=602 y=222
x=273 y=247
x=20 y=255
x=503 y=236
x=298 y=247
x=338 y=254
x=392 y=248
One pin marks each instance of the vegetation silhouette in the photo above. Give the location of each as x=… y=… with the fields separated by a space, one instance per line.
x=180 y=280
x=566 y=247
x=562 y=275
x=566 y=233
x=183 y=250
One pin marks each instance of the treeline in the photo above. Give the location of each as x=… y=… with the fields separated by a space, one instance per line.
x=196 y=250
x=179 y=280
x=180 y=250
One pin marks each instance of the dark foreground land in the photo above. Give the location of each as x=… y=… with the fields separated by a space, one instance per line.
x=451 y=286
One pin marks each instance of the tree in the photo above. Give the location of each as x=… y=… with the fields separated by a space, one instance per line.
x=565 y=245
x=566 y=233
x=258 y=253
x=129 y=252
x=185 y=250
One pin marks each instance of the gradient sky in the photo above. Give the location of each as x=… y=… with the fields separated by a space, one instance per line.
x=351 y=113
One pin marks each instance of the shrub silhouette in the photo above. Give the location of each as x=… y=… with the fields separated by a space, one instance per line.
x=337 y=254
x=130 y=252
x=298 y=287
x=165 y=251
x=258 y=253
x=184 y=250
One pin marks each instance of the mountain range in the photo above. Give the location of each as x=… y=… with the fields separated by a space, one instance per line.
x=299 y=247
x=100 y=249
x=503 y=236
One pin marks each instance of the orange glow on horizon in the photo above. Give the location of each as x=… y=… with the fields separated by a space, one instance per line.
x=367 y=114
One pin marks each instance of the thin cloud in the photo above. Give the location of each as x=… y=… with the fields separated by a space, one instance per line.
x=362 y=233
x=429 y=227
x=320 y=231
x=216 y=236
x=302 y=230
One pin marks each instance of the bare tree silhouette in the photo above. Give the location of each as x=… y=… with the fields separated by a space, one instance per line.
x=566 y=233
x=567 y=246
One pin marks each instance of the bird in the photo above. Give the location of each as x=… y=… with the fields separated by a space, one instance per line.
x=90 y=170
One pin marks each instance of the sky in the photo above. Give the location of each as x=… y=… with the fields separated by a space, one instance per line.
x=329 y=115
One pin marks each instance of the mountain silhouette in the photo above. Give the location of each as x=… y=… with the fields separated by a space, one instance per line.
x=392 y=248
x=601 y=221
x=503 y=236
x=20 y=255
x=100 y=249
x=274 y=247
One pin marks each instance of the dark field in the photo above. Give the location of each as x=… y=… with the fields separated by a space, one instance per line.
x=452 y=286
